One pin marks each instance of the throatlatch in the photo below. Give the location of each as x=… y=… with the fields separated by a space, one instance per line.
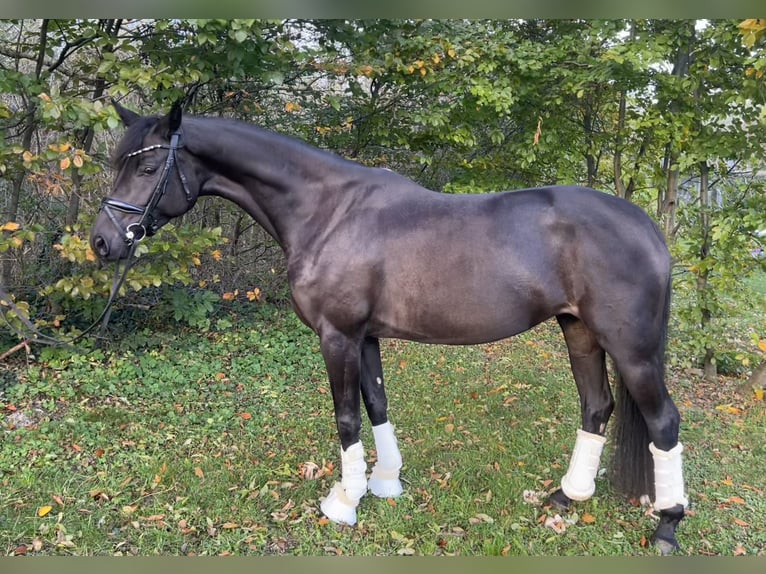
x=668 y=477
x=579 y=482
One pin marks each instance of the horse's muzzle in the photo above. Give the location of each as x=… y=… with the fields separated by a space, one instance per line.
x=109 y=250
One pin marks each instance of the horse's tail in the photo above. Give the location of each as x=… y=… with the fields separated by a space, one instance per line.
x=632 y=463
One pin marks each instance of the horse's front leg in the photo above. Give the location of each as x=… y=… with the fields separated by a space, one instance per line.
x=384 y=480
x=342 y=356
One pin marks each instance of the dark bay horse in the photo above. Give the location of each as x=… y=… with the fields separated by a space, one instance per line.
x=370 y=254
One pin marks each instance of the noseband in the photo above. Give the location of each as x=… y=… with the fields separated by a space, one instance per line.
x=147 y=225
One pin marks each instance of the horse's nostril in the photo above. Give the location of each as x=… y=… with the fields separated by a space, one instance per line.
x=100 y=246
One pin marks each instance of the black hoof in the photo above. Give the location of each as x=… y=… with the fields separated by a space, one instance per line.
x=559 y=500
x=664 y=537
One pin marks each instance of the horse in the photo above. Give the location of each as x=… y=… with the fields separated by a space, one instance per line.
x=370 y=254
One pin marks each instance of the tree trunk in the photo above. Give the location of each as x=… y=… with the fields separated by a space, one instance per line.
x=85 y=137
x=682 y=61
x=710 y=371
x=12 y=213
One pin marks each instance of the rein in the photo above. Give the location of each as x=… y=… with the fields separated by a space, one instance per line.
x=132 y=234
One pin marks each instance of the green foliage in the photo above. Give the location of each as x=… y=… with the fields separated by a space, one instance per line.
x=460 y=106
x=191 y=307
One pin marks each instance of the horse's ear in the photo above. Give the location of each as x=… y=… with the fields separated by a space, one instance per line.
x=173 y=119
x=128 y=117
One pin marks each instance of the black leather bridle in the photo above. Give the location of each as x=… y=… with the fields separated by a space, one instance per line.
x=148 y=224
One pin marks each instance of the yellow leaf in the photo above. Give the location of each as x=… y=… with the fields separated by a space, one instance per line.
x=27 y=156
x=10 y=226
x=762 y=345
x=588 y=518
x=43 y=510
x=44 y=97
x=758 y=394
x=65 y=163
x=78 y=161
x=254 y=295
x=216 y=255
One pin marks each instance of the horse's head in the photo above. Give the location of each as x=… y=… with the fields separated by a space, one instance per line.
x=151 y=186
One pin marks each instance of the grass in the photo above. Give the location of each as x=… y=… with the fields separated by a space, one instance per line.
x=192 y=443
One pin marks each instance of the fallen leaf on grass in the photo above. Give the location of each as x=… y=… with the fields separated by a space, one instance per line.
x=588 y=518
x=43 y=510
x=532 y=496
x=740 y=522
x=739 y=550
x=556 y=523
x=729 y=408
x=198 y=472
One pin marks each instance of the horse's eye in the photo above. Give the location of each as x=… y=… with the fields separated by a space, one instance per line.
x=149 y=169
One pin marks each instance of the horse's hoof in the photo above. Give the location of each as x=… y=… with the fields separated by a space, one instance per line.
x=338 y=508
x=666 y=547
x=664 y=537
x=385 y=487
x=559 y=500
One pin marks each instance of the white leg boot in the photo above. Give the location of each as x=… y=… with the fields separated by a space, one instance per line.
x=340 y=505
x=668 y=477
x=579 y=481
x=384 y=480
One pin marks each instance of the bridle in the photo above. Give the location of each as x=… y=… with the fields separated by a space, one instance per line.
x=148 y=224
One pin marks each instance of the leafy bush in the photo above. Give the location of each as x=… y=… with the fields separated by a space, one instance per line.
x=75 y=300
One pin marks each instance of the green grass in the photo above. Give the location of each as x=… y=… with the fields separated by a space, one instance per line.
x=192 y=443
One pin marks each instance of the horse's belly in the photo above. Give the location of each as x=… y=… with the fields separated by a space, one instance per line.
x=452 y=317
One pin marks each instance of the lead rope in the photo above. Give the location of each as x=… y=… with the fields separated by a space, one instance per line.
x=37 y=336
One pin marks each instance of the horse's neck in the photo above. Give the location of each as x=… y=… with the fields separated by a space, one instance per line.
x=277 y=181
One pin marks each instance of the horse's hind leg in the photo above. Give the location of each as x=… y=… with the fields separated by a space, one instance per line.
x=643 y=380
x=384 y=480
x=588 y=361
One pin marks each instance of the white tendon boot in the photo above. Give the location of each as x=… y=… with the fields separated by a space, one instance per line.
x=579 y=482
x=340 y=505
x=384 y=480
x=668 y=477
